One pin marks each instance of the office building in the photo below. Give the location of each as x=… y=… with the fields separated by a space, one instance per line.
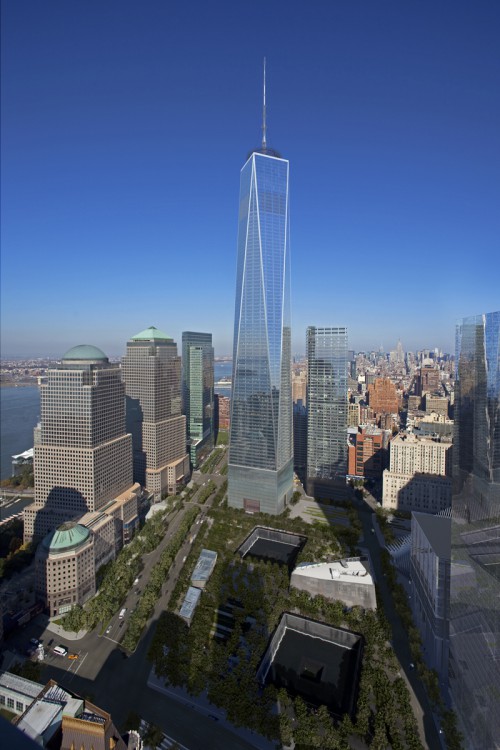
x=222 y=412
x=82 y=453
x=299 y=386
x=383 y=396
x=260 y=467
x=430 y=576
x=368 y=452
x=326 y=410
x=353 y=414
x=436 y=404
x=152 y=376
x=474 y=670
x=300 y=440
x=198 y=393
x=427 y=379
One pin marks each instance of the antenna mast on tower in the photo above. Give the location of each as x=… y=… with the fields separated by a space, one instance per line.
x=264 y=111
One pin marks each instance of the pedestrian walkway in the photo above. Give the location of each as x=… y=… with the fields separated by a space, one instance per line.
x=66 y=634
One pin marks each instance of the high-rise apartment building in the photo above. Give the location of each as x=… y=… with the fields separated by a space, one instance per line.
x=152 y=376
x=326 y=410
x=419 y=474
x=82 y=454
x=260 y=472
x=198 y=393
x=474 y=670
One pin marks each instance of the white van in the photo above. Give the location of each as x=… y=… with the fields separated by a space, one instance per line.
x=122 y=613
x=61 y=651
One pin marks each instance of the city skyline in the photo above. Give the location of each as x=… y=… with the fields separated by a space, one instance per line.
x=105 y=155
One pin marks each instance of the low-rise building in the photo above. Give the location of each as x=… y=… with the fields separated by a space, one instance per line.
x=17 y=693
x=429 y=493
x=348 y=580
x=57 y=718
x=203 y=568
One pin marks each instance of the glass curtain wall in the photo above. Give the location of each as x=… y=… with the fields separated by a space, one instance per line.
x=474 y=667
x=260 y=452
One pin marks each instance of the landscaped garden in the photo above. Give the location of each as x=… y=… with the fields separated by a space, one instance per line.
x=249 y=597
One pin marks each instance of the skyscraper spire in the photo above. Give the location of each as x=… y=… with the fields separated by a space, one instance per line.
x=264 y=111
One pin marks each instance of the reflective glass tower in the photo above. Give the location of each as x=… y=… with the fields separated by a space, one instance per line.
x=260 y=451
x=198 y=393
x=326 y=411
x=474 y=661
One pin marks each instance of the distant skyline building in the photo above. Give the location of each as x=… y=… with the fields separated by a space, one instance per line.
x=326 y=409
x=152 y=376
x=198 y=393
x=260 y=472
x=474 y=673
x=82 y=453
x=383 y=396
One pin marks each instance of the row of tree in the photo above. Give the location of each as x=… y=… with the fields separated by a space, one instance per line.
x=152 y=591
x=115 y=579
x=429 y=677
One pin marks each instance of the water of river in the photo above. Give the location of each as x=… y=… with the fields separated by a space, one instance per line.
x=20 y=413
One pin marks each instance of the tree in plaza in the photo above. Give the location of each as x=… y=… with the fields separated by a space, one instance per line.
x=153 y=736
x=30 y=670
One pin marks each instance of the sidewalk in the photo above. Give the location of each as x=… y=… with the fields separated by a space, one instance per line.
x=66 y=634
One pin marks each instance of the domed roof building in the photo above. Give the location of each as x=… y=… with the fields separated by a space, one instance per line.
x=65 y=568
x=66 y=537
x=86 y=353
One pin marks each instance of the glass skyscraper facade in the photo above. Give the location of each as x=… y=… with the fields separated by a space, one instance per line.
x=198 y=393
x=260 y=475
x=326 y=410
x=474 y=658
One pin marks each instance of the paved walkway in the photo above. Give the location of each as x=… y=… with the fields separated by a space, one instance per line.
x=66 y=634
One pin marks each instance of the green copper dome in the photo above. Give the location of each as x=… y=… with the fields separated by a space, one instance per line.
x=85 y=351
x=151 y=334
x=66 y=537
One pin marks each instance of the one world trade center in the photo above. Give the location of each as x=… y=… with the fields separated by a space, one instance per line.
x=260 y=472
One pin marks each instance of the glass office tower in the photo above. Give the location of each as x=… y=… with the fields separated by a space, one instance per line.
x=326 y=411
x=474 y=667
x=260 y=451
x=198 y=393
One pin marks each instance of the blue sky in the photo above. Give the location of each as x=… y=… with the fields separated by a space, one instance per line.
x=125 y=125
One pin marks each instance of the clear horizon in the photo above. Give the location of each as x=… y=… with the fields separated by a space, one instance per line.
x=124 y=130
